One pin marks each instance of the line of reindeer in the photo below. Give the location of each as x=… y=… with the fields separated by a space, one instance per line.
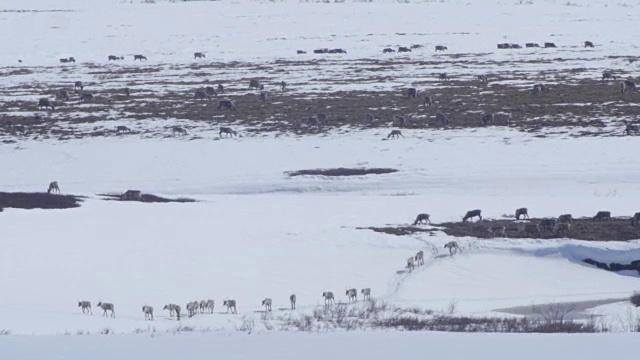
x=561 y=223
x=208 y=306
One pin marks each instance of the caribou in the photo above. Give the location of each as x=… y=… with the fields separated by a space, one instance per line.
x=85 y=306
x=267 y=304
x=522 y=212
x=366 y=294
x=471 y=214
x=227 y=131
x=452 y=246
x=352 y=295
x=107 y=307
x=394 y=134
x=148 y=312
x=329 y=298
x=419 y=258
x=292 y=300
x=422 y=218
x=53 y=187
x=231 y=305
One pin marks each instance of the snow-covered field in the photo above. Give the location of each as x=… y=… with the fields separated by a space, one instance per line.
x=254 y=232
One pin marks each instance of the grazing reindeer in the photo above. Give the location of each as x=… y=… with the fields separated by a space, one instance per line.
x=255 y=84
x=565 y=219
x=411 y=263
x=86 y=307
x=292 y=300
x=483 y=78
x=198 y=55
x=627 y=85
x=46 y=103
x=352 y=295
x=78 y=85
x=226 y=105
x=227 y=131
x=366 y=294
x=192 y=308
x=608 y=75
x=283 y=85
x=486 y=119
x=202 y=306
x=471 y=214
x=267 y=304
x=86 y=97
x=419 y=258
x=368 y=119
x=231 y=305
x=631 y=129
x=444 y=76
x=107 y=307
x=178 y=130
x=411 y=93
x=635 y=219
x=403 y=49
x=122 y=129
x=399 y=121
x=452 y=246
x=603 y=215
x=547 y=224
x=172 y=308
x=549 y=45
x=199 y=94
x=388 y=50
x=62 y=94
x=53 y=187
x=442 y=119
x=441 y=48
x=422 y=218
x=522 y=212
x=497 y=231
x=148 y=312
x=394 y=134
x=210 y=305
x=263 y=97
x=588 y=44
x=427 y=101
x=139 y=57
x=209 y=90
x=329 y=298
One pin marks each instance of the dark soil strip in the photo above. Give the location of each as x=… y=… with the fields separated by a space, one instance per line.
x=148 y=198
x=38 y=201
x=342 y=172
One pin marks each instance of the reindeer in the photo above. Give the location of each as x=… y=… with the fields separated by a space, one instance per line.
x=78 y=85
x=255 y=84
x=549 y=45
x=486 y=119
x=635 y=219
x=368 y=119
x=263 y=97
x=210 y=305
x=366 y=294
x=267 y=304
x=329 y=298
x=441 y=48
x=178 y=130
x=352 y=295
x=226 y=105
x=115 y=58
x=122 y=129
x=86 y=97
x=139 y=57
x=148 y=312
x=411 y=263
x=471 y=214
x=323 y=119
x=227 y=131
x=399 y=121
x=497 y=231
x=627 y=85
x=531 y=45
x=231 y=305
x=631 y=129
x=419 y=258
x=411 y=93
x=502 y=118
x=192 y=308
x=483 y=78
x=220 y=88
x=444 y=77
x=602 y=215
x=427 y=101
x=394 y=134
x=44 y=102
x=177 y=309
x=388 y=50
x=547 y=224
x=62 y=94
x=199 y=94
x=588 y=44
x=53 y=187
x=522 y=212
x=283 y=85
x=172 y=308
x=292 y=300
x=85 y=306
x=515 y=46
x=422 y=218
x=107 y=307
x=403 y=49
x=565 y=219
x=442 y=119
x=608 y=75
x=198 y=55
x=452 y=246
x=301 y=52
x=203 y=306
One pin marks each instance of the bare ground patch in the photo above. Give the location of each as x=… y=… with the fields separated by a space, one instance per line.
x=22 y=200
x=342 y=172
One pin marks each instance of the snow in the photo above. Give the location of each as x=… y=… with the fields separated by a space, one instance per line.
x=254 y=232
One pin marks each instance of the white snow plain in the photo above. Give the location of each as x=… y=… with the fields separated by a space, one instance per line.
x=257 y=233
